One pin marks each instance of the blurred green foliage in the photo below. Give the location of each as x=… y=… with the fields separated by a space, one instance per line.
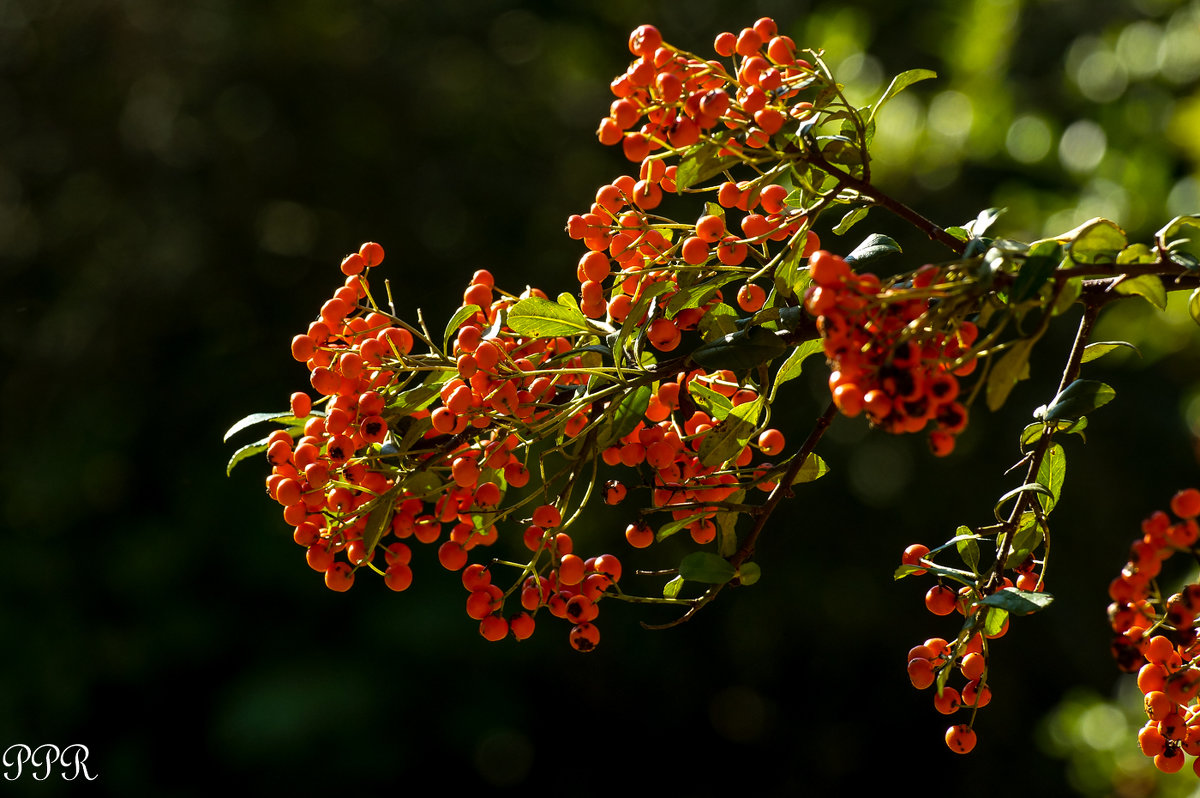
x=177 y=184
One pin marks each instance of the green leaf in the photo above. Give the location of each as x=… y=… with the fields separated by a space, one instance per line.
x=422 y=396
x=981 y=223
x=1194 y=305
x=813 y=469
x=460 y=316
x=1101 y=348
x=540 y=318
x=741 y=350
x=1040 y=263
x=1017 y=602
x=1034 y=432
x=1027 y=538
x=1135 y=253
x=285 y=418
x=696 y=295
x=790 y=369
x=627 y=416
x=729 y=438
x=953 y=574
x=708 y=400
x=1067 y=296
x=1011 y=368
x=850 y=219
x=671 y=589
x=899 y=84
x=968 y=549
x=380 y=518
x=1148 y=286
x=1035 y=487
x=1051 y=474
x=699 y=164
x=1077 y=399
x=633 y=322
x=791 y=277
x=727 y=527
x=874 y=247
x=1095 y=241
x=249 y=450
x=1181 y=236
x=749 y=573
x=706 y=567
x=671 y=527
x=994 y=622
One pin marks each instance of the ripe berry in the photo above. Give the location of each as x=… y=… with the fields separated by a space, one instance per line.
x=960 y=738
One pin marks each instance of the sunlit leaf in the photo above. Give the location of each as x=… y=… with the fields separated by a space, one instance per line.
x=1149 y=286
x=790 y=369
x=708 y=400
x=729 y=438
x=671 y=589
x=813 y=469
x=1194 y=305
x=1095 y=241
x=899 y=84
x=249 y=450
x=968 y=549
x=457 y=320
x=1099 y=349
x=627 y=416
x=540 y=318
x=1015 y=601
x=1011 y=368
x=285 y=418
x=706 y=567
x=1034 y=432
x=993 y=624
x=850 y=219
x=1051 y=474
x=699 y=164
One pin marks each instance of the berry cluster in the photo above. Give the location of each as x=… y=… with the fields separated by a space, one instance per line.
x=886 y=358
x=1159 y=639
x=935 y=660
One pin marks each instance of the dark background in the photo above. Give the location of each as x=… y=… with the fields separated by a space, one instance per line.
x=178 y=182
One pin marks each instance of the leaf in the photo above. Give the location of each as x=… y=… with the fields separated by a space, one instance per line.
x=456 y=321
x=1027 y=487
x=708 y=400
x=850 y=219
x=729 y=438
x=671 y=527
x=749 y=573
x=813 y=469
x=1095 y=241
x=1034 y=432
x=1017 y=602
x=286 y=418
x=874 y=247
x=790 y=275
x=1027 y=538
x=1040 y=263
x=1067 y=296
x=1135 y=253
x=380 y=518
x=790 y=369
x=993 y=624
x=706 y=567
x=741 y=350
x=899 y=84
x=727 y=527
x=1099 y=349
x=671 y=589
x=1149 y=286
x=954 y=574
x=535 y=317
x=1181 y=236
x=1051 y=474
x=1077 y=399
x=699 y=164
x=1010 y=369
x=1194 y=305
x=981 y=223
x=696 y=295
x=249 y=450
x=626 y=417
x=968 y=549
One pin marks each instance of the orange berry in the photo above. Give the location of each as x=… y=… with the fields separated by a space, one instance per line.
x=960 y=738
x=1186 y=503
